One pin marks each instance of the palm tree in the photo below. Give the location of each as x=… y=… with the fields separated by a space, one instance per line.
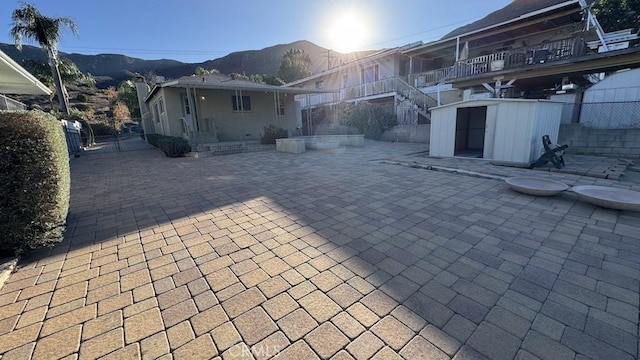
x=30 y=24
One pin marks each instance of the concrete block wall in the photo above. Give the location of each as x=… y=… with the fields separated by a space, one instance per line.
x=408 y=133
x=605 y=142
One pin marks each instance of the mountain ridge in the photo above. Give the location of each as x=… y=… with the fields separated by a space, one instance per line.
x=111 y=69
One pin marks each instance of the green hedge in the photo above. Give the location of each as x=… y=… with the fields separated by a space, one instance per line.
x=369 y=119
x=34 y=180
x=152 y=139
x=271 y=133
x=173 y=146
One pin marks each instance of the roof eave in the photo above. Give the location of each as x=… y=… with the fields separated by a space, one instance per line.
x=419 y=49
x=41 y=88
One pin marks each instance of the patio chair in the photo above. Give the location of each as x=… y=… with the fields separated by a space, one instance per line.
x=552 y=153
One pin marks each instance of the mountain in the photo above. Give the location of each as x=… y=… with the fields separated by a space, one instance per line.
x=111 y=69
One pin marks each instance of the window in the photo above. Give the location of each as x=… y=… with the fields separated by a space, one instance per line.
x=241 y=104
x=345 y=80
x=161 y=102
x=280 y=107
x=370 y=74
x=185 y=105
x=403 y=67
x=156 y=114
x=319 y=85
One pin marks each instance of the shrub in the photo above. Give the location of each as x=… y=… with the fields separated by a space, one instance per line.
x=271 y=133
x=34 y=180
x=88 y=137
x=152 y=139
x=83 y=97
x=370 y=119
x=173 y=146
x=102 y=129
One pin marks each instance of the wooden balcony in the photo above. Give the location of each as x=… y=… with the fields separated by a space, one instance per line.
x=502 y=61
x=389 y=86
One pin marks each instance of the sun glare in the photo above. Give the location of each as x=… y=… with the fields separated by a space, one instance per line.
x=348 y=32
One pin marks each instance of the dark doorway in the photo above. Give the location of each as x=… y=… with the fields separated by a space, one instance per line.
x=470 y=126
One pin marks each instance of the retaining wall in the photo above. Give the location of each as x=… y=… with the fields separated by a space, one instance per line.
x=606 y=142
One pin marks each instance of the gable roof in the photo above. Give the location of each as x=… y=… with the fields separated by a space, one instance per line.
x=226 y=82
x=514 y=10
x=14 y=79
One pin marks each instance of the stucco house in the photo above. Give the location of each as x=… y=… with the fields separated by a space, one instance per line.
x=218 y=108
x=14 y=79
x=528 y=49
x=380 y=77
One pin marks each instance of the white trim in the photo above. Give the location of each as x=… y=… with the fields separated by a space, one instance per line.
x=38 y=87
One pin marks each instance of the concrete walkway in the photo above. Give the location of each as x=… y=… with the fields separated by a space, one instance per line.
x=326 y=254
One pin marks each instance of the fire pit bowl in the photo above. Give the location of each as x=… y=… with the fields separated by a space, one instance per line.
x=536 y=186
x=609 y=197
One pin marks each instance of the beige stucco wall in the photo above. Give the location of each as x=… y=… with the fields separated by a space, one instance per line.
x=216 y=105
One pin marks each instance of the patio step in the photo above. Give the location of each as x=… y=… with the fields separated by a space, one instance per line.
x=233 y=148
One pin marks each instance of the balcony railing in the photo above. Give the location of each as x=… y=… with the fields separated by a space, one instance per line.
x=385 y=86
x=505 y=60
x=378 y=87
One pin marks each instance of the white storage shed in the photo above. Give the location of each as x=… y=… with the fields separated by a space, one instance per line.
x=507 y=130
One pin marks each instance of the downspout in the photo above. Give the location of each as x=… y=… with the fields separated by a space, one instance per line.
x=192 y=133
x=275 y=107
x=241 y=116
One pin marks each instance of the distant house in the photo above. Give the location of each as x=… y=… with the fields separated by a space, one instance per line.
x=15 y=80
x=528 y=49
x=380 y=77
x=218 y=108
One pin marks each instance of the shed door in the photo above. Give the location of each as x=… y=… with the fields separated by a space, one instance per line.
x=470 y=131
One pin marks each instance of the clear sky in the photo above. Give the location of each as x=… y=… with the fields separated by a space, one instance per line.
x=199 y=30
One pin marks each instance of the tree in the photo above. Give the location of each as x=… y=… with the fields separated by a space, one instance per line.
x=120 y=114
x=69 y=72
x=111 y=93
x=200 y=71
x=617 y=14
x=129 y=96
x=30 y=24
x=296 y=64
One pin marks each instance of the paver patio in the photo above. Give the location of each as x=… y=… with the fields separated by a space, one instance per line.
x=326 y=254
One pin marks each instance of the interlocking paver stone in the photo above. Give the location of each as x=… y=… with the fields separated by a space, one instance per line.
x=102 y=344
x=142 y=325
x=59 y=344
x=254 y=325
x=319 y=305
x=418 y=348
x=389 y=261
x=280 y=306
x=494 y=342
x=297 y=324
x=199 y=348
x=365 y=346
x=326 y=340
x=225 y=336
